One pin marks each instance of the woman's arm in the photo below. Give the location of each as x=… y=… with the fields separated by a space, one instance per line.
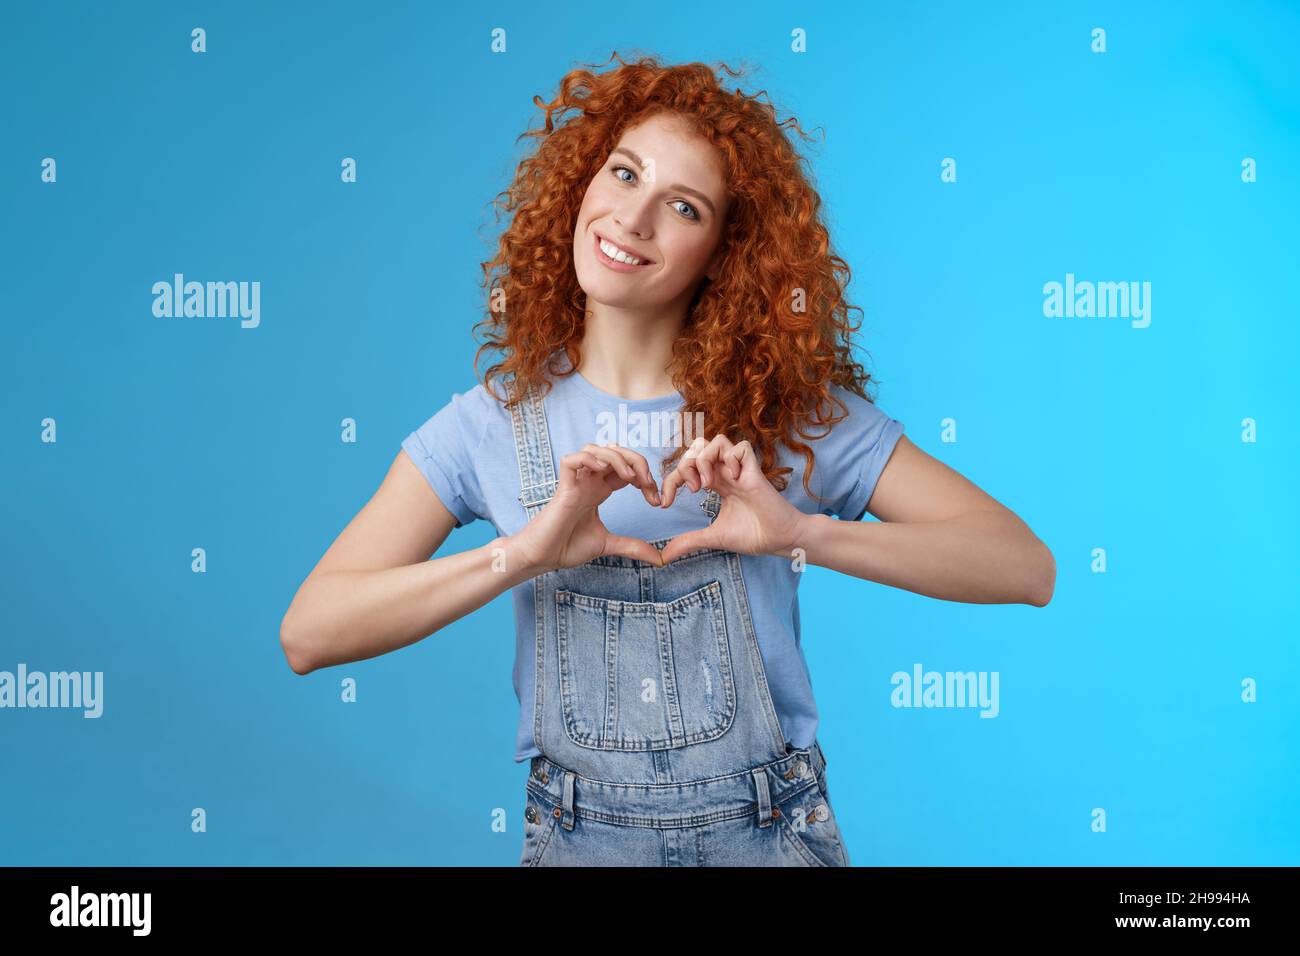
x=938 y=535
x=375 y=590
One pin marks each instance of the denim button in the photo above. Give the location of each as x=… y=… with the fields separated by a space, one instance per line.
x=821 y=812
x=800 y=769
x=531 y=814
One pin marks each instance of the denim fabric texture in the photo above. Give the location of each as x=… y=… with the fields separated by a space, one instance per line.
x=660 y=745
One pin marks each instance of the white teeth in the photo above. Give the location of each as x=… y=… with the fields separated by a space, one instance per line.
x=614 y=252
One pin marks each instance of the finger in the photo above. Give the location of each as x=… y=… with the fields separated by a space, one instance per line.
x=644 y=480
x=636 y=460
x=709 y=458
x=676 y=478
x=671 y=484
x=688 y=467
x=688 y=542
x=633 y=548
x=736 y=458
x=571 y=465
x=614 y=459
x=705 y=468
x=619 y=463
x=583 y=466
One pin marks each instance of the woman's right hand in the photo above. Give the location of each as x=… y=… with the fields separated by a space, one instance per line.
x=568 y=531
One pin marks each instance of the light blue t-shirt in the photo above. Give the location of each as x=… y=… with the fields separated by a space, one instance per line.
x=467 y=453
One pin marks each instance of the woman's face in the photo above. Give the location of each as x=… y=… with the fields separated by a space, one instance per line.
x=661 y=197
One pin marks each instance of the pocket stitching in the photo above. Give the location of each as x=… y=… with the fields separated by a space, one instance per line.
x=708 y=597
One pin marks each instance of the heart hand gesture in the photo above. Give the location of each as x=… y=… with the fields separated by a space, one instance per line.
x=754 y=518
x=568 y=531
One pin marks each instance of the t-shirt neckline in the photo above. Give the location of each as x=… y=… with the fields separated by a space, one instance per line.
x=608 y=398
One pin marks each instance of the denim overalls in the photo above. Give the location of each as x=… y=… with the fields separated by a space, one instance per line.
x=660 y=743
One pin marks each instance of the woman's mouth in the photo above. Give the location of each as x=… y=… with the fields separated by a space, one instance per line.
x=614 y=258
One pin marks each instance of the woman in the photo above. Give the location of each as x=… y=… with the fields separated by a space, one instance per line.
x=664 y=264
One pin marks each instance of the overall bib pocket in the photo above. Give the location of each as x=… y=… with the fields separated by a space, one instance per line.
x=644 y=675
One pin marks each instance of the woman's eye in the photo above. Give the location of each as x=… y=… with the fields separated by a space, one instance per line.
x=689 y=213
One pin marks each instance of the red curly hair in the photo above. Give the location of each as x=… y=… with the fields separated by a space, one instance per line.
x=746 y=356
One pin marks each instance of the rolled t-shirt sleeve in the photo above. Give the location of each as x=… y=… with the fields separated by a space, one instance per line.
x=869 y=435
x=445 y=448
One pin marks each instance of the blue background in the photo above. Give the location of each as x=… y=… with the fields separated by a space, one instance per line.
x=1124 y=693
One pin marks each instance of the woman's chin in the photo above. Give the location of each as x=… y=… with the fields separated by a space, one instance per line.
x=616 y=298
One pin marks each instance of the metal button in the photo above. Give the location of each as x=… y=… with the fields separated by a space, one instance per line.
x=556 y=812
x=822 y=812
x=531 y=814
x=800 y=769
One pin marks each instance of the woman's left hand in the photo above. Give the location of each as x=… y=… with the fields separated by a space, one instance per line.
x=754 y=518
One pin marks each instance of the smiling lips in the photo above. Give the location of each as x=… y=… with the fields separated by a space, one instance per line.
x=616 y=258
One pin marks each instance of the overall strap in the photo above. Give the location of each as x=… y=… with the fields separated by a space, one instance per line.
x=537 y=479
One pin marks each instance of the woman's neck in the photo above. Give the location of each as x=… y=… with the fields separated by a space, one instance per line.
x=626 y=354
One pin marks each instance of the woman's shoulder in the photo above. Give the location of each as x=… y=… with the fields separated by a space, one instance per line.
x=479 y=401
x=476 y=405
x=861 y=415
x=462 y=420
x=850 y=456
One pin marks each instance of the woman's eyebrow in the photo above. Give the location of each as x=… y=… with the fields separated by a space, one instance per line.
x=677 y=186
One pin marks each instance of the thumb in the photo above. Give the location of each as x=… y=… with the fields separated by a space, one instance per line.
x=689 y=541
x=632 y=548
